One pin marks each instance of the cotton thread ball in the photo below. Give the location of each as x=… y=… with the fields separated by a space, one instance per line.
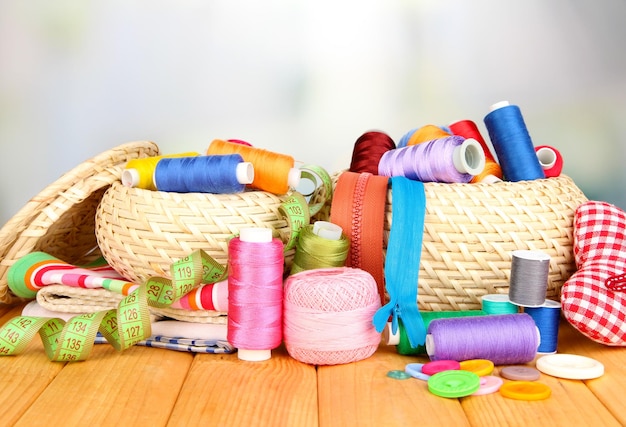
x=328 y=315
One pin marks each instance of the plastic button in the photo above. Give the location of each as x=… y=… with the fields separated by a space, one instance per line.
x=431 y=368
x=488 y=384
x=525 y=390
x=480 y=367
x=398 y=375
x=521 y=373
x=415 y=370
x=570 y=366
x=454 y=383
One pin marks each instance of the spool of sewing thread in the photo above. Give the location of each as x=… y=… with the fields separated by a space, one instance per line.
x=38 y=269
x=140 y=172
x=209 y=296
x=498 y=304
x=401 y=340
x=529 y=278
x=367 y=151
x=547 y=318
x=255 y=293
x=453 y=159
x=320 y=245
x=426 y=133
x=219 y=174
x=468 y=129
x=512 y=143
x=550 y=160
x=422 y=134
x=273 y=172
x=328 y=315
x=504 y=339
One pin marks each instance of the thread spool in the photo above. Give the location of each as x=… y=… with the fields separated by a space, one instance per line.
x=140 y=172
x=529 y=278
x=219 y=174
x=422 y=134
x=328 y=315
x=208 y=296
x=273 y=172
x=38 y=269
x=367 y=151
x=255 y=293
x=547 y=318
x=401 y=340
x=504 y=339
x=451 y=159
x=320 y=245
x=550 y=160
x=512 y=143
x=426 y=133
x=468 y=129
x=498 y=304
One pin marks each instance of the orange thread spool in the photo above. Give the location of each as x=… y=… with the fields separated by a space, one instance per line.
x=426 y=133
x=273 y=172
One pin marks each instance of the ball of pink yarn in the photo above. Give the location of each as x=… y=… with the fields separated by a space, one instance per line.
x=328 y=315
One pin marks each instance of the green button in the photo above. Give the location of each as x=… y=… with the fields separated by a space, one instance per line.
x=453 y=383
x=398 y=375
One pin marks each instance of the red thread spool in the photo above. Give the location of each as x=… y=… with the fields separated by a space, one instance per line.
x=550 y=160
x=368 y=149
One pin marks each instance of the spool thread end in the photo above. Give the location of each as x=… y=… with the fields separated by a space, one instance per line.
x=253 y=355
x=130 y=177
x=293 y=178
x=469 y=157
x=245 y=173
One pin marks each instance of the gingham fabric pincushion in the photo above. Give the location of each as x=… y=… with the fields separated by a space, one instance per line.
x=594 y=297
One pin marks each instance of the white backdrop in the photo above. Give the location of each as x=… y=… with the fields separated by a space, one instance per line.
x=304 y=78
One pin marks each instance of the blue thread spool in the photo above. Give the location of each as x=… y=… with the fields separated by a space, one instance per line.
x=512 y=143
x=547 y=318
x=218 y=174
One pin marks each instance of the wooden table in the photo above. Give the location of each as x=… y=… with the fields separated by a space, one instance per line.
x=155 y=387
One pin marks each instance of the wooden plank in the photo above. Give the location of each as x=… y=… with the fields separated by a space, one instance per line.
x=23 y=377
x=222 y=390
x=610 y=387
x=135 y=387
x=361 y=394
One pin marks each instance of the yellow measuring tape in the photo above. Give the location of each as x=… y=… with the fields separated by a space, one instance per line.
x=122 y=327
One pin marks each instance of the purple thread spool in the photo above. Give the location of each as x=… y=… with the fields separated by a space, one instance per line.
x=452 y=159
x=503 y=339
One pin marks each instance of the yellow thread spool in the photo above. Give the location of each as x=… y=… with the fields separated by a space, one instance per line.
x=140 y=172
x=273 y=172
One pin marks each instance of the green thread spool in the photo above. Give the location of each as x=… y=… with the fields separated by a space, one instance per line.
x=401 y=340
x=498 y=304
x=320 y=245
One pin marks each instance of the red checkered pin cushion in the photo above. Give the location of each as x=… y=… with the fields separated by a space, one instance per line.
x=594 y=297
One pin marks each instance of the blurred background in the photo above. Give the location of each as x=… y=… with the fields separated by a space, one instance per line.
x=304 y=78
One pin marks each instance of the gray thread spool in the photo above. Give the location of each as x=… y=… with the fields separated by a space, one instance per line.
x=529 y=278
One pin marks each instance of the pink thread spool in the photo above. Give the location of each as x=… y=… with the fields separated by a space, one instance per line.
x=328 y=315
x=255 y=293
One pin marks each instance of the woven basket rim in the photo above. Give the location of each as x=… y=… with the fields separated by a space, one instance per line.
x=22 y=232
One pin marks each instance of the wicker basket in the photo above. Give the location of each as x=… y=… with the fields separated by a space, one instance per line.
x=471 y=230
x=60 y=219
x=142 y=232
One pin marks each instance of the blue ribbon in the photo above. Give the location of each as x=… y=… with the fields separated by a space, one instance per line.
x=402 y=262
